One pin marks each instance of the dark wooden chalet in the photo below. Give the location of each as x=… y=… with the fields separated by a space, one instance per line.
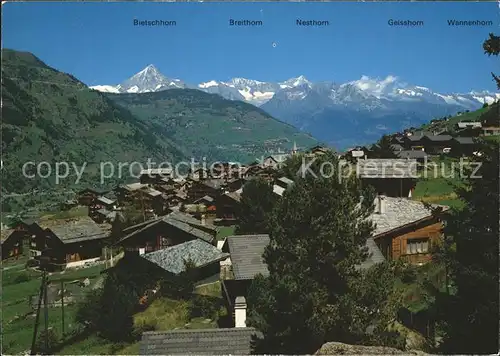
x=87 y=196
x=73 y=242
x=463 y=146
x=406 y=229
x=391 y=177
x=228 y=207
x=210 y=187
x=155 y=175
x=17 y=241
x=170 y=230
x=434 y=144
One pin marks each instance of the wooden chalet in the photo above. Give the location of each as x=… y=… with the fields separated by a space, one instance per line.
x=490 y=131
x=155 y=175
x=434 y=144
x=317 y=151
x=210 y=187
x=406 y=229
x=170 y=230
x=127 y=193
x=18 y=240
x=228 y=208
x=463 y=146
x=266 y=173
x=391 y=177
x=72 y=242
x=87 y=196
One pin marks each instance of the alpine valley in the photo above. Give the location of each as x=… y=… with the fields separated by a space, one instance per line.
x=340 y=114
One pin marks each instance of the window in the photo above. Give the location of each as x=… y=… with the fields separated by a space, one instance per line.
x=414 y=246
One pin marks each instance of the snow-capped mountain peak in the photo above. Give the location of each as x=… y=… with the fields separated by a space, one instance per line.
x=149 y=79
x=295 y=82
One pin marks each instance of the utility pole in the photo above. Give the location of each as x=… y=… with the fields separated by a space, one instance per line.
x=46 y=312
x=37 y=318
x=62 y=306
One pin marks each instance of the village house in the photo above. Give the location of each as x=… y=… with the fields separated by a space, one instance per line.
x=87 y=196
x=463 y=146
x=172 y=260
x=17 y=241
x=392 y=177
x=258 y=171
x=316 y=151
x=155 y=175
x=228 y=208
x=420 y=156
x=126 y=193
x=200 y=174
x=406 y=229
x=435 y=144
x=471 y=124
x=490 y=131
x=210 y=187
x=245 y=263
x=166 y=231
x=72 y=242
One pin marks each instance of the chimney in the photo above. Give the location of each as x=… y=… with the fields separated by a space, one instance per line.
x=381 y=204
x=203 y=219
x=240 y=312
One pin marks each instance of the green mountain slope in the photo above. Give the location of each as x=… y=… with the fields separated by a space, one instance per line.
x=49 y=116
x=207 y=125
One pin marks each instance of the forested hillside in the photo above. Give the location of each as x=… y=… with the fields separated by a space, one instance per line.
x=211 y=126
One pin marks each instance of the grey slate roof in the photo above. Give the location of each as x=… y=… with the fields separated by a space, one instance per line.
x=412 y=154
x=285 y=180
x=374 y=255
x=246 y=255
x=438 y=138
x=400 y=212
x=464 y=140
x=396 y=147
x=178 y=220
x=386 y=168
x=105 y=200
x=230 y=341
x=78 y=230
x=206 y=198
x=172 y=259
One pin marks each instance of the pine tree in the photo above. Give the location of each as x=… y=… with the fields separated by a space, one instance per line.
x=257 y=202
x=471 y=314
x=383 y=148
x=492 y=47
x=314 y=291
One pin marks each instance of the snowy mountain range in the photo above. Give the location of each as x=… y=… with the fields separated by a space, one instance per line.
x=337 y=113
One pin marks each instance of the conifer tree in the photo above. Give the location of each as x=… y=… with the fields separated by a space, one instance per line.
x=318 y=231
x=257 y=202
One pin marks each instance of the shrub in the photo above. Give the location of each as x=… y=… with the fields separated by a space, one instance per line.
x=204 y=306
x=22 y=277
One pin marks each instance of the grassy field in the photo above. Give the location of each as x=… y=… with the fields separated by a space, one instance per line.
x=18 y=316
x=225 y=231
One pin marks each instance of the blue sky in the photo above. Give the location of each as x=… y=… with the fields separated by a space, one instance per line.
x=97 y=42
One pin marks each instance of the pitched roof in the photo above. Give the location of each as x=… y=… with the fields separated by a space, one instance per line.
x=5 y=233
x=173 y=259
x=286 y=180
x=464 y=140
x=207 y=198
x=84 y=229
x=234 y=195
x=134 y=186
x=374 y=255
x=438 y=138
x=396 y=147
x=105 y=200
x=413 y=154
x=213 y=183
x=462 y=125
x=226 y=341
x=387 y=168
x=181 y=221
x=400 y=212
x=246 y=255
x=278 y=189
x=154 y=171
